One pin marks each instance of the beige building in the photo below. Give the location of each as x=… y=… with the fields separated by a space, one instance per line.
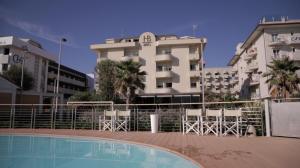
x=269 y=40
x=222 y=80
x=43 y=67
x=171 y=62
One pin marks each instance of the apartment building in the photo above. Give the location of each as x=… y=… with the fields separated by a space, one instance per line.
x=171 y=62
x=269 y=40
x=222 y=80
x=43 y=67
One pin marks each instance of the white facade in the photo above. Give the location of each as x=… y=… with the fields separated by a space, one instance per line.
x=171 y=62
x=222 y=80
x=43 y=67
x=269 y=40
x=13 y=50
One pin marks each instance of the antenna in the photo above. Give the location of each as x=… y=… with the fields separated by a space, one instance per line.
x=194 y=29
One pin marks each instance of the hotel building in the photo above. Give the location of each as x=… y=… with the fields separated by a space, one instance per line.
x=172 y=63
x=43 y=67
x=268 y=41
x=222 y=80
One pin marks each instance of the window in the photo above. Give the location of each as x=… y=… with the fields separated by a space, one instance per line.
x=159 y=84
x=163 y=50
x=294 y=49
x=276 y=53
x=193 y=84
x=131 y=52
x=6 y=51
x=274 y=37
x=4 y=67
x=168 y=85
x=193 y=67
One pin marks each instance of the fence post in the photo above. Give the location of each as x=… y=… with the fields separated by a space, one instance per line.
x=12 y=110
x=93 y=117
x=72 y=116
x=267 y=117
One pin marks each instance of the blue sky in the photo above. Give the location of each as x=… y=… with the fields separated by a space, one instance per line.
x=85 y=22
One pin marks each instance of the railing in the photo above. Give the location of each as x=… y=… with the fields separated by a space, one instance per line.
x=86 y=116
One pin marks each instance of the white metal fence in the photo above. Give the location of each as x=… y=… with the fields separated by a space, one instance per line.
x=86 y=115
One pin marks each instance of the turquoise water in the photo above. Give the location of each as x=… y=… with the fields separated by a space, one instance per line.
x=52 y=152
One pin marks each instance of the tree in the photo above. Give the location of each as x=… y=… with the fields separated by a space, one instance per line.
x=129 y=79
x=85 y=96
x=282 y=77
x=106 y=70
x=14 y=74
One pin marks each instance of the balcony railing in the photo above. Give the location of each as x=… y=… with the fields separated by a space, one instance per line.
x=279 y=41
x=251 y=53
x=163 y=74
x=254 y=80
x=194 y=57
x=163 y=57
x=294 y=40
x=133 y=58
x=196 y=73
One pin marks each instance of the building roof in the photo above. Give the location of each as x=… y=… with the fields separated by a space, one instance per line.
x=258 y=30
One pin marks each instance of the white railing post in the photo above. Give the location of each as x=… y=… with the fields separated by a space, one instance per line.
x=267 y=117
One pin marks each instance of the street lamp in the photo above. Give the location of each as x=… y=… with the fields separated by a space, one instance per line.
x=202 y=76
x=25 y=50
x=58 y=71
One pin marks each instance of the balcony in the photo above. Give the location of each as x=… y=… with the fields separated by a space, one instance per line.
x=225 y=83
x=4 y=59
x=207 y=76
x=66 y=79
x=252 y=66
x=277 y=42
x=294 y=40
x=164 y=90
x=196 y=73
x=251 y=53
x=163 y=57
x=195 y=89
x=194 y=57
x=208 y=84
x=133 y=58
x=254 y=80
x=295 y=57
x=255 y=96
x=163 y=74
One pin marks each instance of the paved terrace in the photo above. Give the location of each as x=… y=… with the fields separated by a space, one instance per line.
x=209 y=151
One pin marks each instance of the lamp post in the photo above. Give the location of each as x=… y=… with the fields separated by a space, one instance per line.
x=25 y=50
x=58 y=71
x=202 y=76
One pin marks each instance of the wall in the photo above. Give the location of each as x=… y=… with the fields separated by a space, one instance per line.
x=285 y=119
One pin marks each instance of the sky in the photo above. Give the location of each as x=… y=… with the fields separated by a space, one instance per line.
x=224 y=23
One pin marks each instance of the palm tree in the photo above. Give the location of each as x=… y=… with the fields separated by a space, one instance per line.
x=14 y=75
x=282 y=77
x=128 y=79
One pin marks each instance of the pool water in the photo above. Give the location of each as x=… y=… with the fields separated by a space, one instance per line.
x=57 y=152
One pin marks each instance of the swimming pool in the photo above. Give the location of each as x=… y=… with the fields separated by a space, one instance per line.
x=60 y=152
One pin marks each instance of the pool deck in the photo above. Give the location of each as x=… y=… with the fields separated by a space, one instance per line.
x=209 y=151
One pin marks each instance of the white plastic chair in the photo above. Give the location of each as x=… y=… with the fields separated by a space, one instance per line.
x=213 y=122
x=232 y=121
x=192 y=121
x=108 y=121
x=122 y=120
